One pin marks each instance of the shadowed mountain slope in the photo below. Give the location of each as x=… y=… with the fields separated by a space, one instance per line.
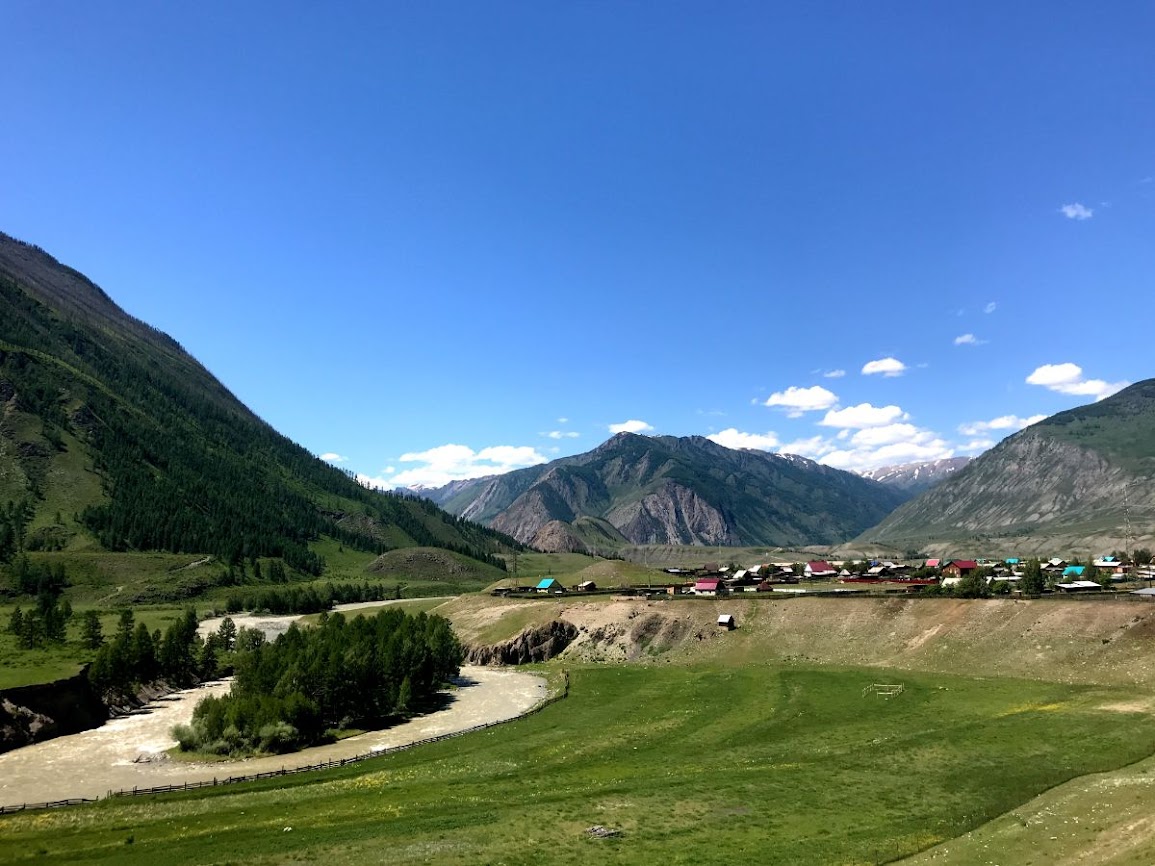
x=112 y=435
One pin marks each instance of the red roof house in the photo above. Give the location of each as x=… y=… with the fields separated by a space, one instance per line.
x=820 y=568
x=707 y=586
x=959 y=567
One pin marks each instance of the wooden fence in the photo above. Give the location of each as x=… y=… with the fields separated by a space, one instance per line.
x=289 y=771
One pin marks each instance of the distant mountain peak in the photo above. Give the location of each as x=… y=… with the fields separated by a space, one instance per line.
x=674 y=490
x=917 y=477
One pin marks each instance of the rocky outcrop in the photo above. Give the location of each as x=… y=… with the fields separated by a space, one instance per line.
x=673 y=515
x=532 y=645
x=557 y=537
x=31 y=714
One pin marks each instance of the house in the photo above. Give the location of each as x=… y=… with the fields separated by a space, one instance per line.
x=1111 y=564
x=878 y=570
x=549 y=585
x=586 y=586
x=708 y=586
x=1054 y=565
x=1074 y=571
x=959 y=568
x=727 y=622
x=1078 y=586
x=820 y=568
x=933 y=563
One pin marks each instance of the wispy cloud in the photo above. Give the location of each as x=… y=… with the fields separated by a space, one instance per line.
x=1076 y=211
x=734 y=438
x=1068 y=379
x=333 y=457
x=990 y=308
x=968 y=340
x=1004 y=423
x=445 y=463
x=561 y=434
x=563 y=420
x=798 y=400
x=863 y=415
x=834 y=374
x=886 y=366
x=631 y=426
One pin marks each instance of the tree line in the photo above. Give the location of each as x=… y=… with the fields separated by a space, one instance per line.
x=308 y=599
x=300 y=690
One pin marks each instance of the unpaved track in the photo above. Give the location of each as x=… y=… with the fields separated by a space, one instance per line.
x=91 y=763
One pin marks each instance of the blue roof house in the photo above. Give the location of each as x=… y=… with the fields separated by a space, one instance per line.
x=549 y=584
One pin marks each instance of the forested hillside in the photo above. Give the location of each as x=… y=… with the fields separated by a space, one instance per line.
x=112 y=435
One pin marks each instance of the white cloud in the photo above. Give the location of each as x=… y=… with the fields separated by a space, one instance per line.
x=1076 y=211
x=966 y=340
x=873 y=447
x=447 y=463
x=561 y=434
x=563 y=420
x=885 y=366
x=333 y=457
x=734 y=438
x=799 y=400
x=1068 y=379
x=1009 y=423
x=889 y=434
x=928 y=447
x=991 y=307
x=814 y=447
x=863 y=415
x=631 y=426
x=976 y=445
x=834 y=374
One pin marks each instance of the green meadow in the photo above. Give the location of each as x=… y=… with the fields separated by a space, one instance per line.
x=692 y=764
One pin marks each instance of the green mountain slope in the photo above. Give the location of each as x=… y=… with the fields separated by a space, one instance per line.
x=113 y=437
x=670 y=490
x=1074 y=481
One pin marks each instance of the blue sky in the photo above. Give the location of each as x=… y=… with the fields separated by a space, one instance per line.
x=460 y=238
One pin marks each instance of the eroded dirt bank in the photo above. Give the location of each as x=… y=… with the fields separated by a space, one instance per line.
x=1107 y=642
x=123 y=752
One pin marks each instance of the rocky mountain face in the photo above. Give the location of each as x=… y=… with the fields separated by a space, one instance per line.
x=670 y=490
x=1072 y=482
x=914 y=478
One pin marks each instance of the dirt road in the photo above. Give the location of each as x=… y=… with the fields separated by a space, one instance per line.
x=123 y=753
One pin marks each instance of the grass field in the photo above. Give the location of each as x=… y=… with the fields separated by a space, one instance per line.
x=21 y=667
x=694 y=764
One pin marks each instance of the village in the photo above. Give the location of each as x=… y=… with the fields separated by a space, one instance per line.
x=1115 y=574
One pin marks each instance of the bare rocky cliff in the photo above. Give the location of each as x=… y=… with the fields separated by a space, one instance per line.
x=674 y=514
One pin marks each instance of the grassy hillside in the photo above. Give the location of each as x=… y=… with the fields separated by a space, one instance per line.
x=114 y=439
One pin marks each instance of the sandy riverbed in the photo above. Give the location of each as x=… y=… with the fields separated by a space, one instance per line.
x=91 y=763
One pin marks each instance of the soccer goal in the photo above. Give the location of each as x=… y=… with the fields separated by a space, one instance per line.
x=884 y=690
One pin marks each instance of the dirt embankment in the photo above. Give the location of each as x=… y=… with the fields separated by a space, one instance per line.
x=1108 y=642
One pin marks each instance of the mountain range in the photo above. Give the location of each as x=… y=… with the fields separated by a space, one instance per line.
x=672 y=490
